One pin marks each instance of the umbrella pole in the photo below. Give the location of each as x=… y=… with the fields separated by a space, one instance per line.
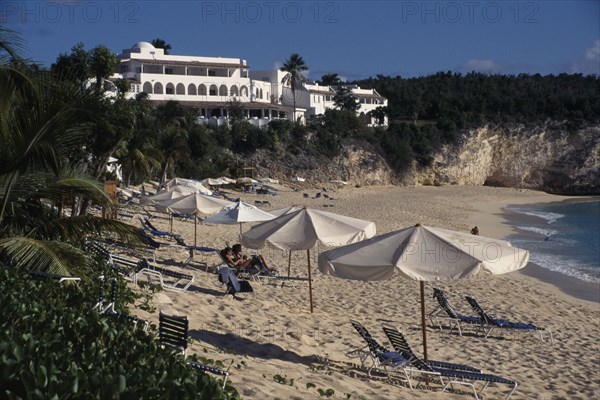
x=309 y=282
x=240 y=238
x=171 y=223
x=423 y=321
x=289 y=263
x=195 y=229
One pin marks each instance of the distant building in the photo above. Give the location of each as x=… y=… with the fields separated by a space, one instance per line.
x=214 y=84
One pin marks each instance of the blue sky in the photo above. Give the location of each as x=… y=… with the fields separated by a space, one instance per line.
x=355 y=39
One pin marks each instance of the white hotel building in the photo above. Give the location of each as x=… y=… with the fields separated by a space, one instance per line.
x=212 y=83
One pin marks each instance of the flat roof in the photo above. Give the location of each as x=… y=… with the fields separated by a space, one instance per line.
x=187 y=63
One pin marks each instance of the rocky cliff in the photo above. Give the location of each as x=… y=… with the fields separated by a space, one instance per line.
x=551 y=158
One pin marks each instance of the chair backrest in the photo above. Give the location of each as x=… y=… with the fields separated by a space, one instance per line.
x=147 y=222
x=230 y=265
x=173 y=331
x=400 y=344
x=374 y=346
x=441 y=298
x=477 y=308
x=98 y=249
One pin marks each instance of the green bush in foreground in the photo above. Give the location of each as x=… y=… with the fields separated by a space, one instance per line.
x=52 y=346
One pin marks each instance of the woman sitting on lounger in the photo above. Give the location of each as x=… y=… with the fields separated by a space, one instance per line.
x=238 y=263
x=256 y=261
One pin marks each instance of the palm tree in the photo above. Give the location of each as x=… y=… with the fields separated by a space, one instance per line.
x=44 y=125
x=294 y=66
x=161 y=44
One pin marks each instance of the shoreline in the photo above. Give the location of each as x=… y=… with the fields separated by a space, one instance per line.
x=497 y=222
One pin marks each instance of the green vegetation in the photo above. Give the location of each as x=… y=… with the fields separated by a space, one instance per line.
x=474 y=99
x=55 y=138
x=53 y=345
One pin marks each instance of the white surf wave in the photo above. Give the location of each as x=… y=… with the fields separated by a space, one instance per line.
x=549 y=217
x=566 y=267
x=541 y=231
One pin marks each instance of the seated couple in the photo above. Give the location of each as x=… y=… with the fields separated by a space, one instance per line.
x=233 y=257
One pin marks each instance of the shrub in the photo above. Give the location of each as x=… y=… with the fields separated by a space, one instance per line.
x=52 y=345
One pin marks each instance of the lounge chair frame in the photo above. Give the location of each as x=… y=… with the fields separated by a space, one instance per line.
x=262 y=274
x=490 y=323
x=381 y=358
x=447 y=377
x=108 y=308
x=179 y=282
x=445 y=313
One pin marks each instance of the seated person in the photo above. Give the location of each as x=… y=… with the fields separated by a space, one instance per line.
x=256 y=261
x=238 y=263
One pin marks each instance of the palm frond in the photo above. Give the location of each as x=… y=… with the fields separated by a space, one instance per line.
x=77 y=228
x=45 y=256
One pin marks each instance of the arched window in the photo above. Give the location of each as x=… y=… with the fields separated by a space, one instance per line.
x=191 y=89
x=180 y=88
x=261 y=93
x=223 y=90
x=201 y=90
x=170 y=88
x=244 y=91
x=213 y=90
x=158 y=88
x=147 y=87
x=233 y=91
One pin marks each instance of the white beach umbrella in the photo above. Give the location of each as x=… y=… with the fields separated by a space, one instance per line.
x=226 y=180
x=239 y=212
x=301 y=229
x=189 y=183
x=211 y=182
x=195 y=204
x=167 y=194
x=423 y=254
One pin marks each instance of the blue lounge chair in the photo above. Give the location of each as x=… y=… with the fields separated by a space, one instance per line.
x=259 y=273
x=448 y=377
x=147 y=225
x=445 y=313
x=382 y=357
x=491 y=323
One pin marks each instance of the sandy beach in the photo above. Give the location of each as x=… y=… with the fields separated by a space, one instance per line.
x=280 y=350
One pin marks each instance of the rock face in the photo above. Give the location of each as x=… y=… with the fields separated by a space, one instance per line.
x=547 y=158
x=356 y=164
x=551 y=158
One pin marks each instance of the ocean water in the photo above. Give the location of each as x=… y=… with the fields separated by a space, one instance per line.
x=563 y=237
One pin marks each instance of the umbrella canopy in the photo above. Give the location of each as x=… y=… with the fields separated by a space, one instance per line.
x=226 y=180
x=193 y=204
x=212 y=182
x=189 y=183
x=302 y=228
x=176 y=192
x=299 y=228
x=239 y=212
x=424 y=254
